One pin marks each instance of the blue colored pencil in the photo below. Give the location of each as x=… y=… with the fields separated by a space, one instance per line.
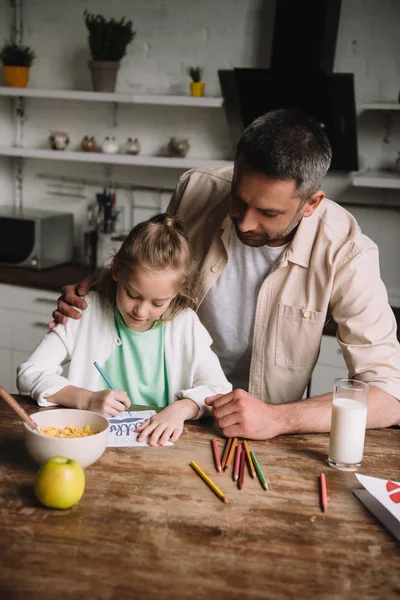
x=104 y=376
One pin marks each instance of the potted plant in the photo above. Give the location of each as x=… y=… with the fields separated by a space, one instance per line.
x=108 y=40
x=197 y=85
x=17 y=60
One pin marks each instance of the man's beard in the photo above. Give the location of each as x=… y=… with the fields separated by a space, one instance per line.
x=256 y=240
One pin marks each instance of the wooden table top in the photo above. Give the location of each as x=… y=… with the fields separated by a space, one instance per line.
x=148 y=527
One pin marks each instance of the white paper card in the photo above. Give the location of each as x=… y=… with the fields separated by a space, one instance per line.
x=387 y=492
x=123 y=428
x=380 y=512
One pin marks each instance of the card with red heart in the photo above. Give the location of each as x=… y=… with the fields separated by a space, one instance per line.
x=386 y=491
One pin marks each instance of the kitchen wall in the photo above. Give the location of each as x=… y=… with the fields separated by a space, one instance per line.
x=170 y=36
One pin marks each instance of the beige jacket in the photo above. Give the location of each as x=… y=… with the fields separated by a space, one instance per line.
x=330 y=268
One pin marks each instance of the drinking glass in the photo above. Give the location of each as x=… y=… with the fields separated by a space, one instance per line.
x=348 y=424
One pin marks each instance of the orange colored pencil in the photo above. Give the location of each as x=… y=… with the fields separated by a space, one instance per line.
x=237 y=462
x=217 y=459
x=226 y=451
x=249 y=460
x=323 y=493
x=241 y=468
x=230 y=453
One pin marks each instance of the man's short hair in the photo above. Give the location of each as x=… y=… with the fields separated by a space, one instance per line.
x=287 y=144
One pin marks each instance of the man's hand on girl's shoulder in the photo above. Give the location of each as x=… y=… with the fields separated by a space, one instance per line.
x=71 y=295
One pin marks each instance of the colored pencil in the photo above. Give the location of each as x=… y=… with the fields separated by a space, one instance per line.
x=323 y=493
x=217 y=459
x=208 y=481
x=261 y=477
x=242 y=468
x=237 y=462
x=104 y=376
x=226 y=451
x=230 y=454
x=249 y=460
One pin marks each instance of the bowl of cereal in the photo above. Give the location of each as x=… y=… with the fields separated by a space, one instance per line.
x=78 y=434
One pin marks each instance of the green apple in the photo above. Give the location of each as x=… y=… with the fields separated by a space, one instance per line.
x=60 y=482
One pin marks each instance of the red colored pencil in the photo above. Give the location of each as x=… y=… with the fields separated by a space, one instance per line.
x=237 y=462
x=241 y=468
x=324 y=495
x=226 y=451
x=217 y=459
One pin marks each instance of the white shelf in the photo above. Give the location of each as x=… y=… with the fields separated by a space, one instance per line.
x=206 y=102
x=377 y=179
x=381 y=106
x=112 y=159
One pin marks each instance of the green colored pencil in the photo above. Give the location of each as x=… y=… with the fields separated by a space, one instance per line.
x=261 y=477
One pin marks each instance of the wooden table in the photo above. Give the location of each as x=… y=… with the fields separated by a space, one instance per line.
x=148 y=527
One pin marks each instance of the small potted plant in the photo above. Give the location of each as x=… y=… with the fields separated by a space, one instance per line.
x=108 y=41
x=17 y=60
x=197 y=85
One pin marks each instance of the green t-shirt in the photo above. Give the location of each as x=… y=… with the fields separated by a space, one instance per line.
x=137 y=365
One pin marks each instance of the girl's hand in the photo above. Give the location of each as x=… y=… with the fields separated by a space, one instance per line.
x=108 y=403
x=167 y=425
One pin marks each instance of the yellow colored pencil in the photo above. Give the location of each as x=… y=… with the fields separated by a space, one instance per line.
x=208 y=481
x=249 y=460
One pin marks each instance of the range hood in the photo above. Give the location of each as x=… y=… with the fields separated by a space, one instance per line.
x=300 y=76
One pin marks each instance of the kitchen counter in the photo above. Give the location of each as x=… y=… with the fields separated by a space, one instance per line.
x=47 y=279
x=56 y=277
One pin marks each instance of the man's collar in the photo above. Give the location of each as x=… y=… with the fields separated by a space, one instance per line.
x=301 y=246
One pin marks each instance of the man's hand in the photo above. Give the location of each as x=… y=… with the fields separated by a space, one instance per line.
x=71 y=297
x=239 y=414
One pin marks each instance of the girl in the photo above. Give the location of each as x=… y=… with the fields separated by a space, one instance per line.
x=138 y=326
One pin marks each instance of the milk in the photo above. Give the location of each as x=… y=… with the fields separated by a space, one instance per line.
x=349 y=420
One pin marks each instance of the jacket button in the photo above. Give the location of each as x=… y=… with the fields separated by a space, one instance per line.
x=214 y=269
x=306 y=314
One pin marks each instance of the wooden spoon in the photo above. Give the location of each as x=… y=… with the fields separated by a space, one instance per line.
x=18 y=409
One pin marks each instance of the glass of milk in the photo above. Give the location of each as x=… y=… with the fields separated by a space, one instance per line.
x=349 y=421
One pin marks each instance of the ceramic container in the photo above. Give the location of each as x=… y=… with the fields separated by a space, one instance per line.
x=109 y=145
x=197 y=88
x=85 y=450
x=104 y=75
x=88 y=144
x=16 y=76
x=58 y=140
x=132 y=146
x=178 y=147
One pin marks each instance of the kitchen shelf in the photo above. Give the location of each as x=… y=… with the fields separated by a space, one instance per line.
x=377 y=179
x=118 y=97
x=112 y=159
x=381 y=106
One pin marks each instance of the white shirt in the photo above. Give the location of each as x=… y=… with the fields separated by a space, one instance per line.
x=192 y=367
x=228 y=310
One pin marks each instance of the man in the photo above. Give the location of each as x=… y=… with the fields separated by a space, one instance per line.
x=275 y=258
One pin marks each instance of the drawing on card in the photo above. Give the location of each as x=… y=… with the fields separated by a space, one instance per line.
x=123 y=428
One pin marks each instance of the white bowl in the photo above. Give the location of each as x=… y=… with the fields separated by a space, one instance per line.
x=85 y=450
